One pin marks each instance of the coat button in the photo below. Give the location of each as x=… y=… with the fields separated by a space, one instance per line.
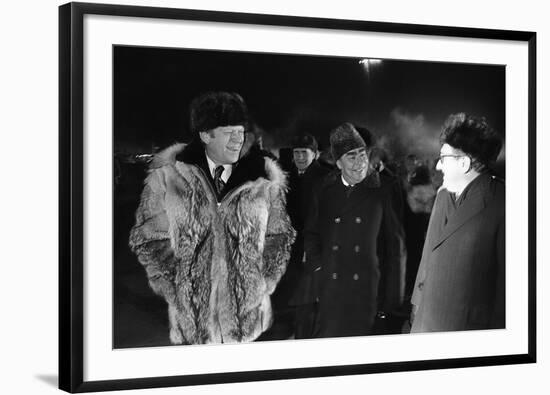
x=357 y=220
x=334 y=276
x=334 y=248
x=356 y=277
x=337 y=220
x=420 y=286
x=356 y=249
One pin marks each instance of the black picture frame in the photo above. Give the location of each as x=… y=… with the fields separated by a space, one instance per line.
x=71 y=195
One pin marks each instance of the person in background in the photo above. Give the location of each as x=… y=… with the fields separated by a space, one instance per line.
x=298 y=289
x=351 y=218
x=211 y=229
x=410 y=163
x=419 y=203
x=461 y=278
x=253 y=144
x=389 y=180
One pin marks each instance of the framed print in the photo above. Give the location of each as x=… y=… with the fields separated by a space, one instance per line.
x=188 y=257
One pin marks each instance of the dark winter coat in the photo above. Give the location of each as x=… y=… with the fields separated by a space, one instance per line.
x=297 y=282
x=216 y=265
x=460 y=281
x=343 y=240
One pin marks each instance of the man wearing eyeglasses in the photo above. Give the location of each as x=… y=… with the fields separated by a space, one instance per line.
x=460 y=281
x=211 y=229
x=354 y=242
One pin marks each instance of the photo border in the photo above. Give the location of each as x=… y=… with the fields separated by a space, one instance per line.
x=71 y=194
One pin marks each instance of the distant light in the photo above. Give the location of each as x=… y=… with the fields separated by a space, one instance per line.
x=368 y=61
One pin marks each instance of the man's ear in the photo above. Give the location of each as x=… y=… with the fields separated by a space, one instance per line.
x=339 y=164
x=466 y=164
x=205 y=137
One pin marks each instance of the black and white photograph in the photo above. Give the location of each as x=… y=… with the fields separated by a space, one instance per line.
x=275 y=197
x=282 y=197
x=261 y=198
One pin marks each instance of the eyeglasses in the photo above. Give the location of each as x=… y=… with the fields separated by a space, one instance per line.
x=441 y=157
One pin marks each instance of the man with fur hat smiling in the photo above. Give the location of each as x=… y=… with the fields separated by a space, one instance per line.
x=351 y=217
x=211 y=229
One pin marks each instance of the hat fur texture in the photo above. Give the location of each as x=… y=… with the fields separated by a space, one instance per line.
x=214 y=109
x=344 y=139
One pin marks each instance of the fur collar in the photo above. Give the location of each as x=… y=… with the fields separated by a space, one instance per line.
x=250 y=167
x=167 y=156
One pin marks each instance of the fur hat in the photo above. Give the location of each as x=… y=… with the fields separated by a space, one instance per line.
x=344 y=139
x=473 y=136
x=305 y=141
x=213 y=109
x=367 y=136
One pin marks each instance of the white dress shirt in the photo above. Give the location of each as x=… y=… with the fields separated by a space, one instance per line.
x=227 y=169
x=345 y=182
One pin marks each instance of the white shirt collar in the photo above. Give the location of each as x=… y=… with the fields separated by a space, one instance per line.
x=345 y=182
x=227 y=169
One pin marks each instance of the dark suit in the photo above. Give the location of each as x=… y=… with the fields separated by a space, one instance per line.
x=460 y=281
x=249 y=167
x=343 y=237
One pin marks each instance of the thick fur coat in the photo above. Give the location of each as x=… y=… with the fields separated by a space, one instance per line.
x=215 y=264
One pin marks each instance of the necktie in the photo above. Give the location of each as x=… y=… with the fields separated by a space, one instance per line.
x=218 y=182
x=349 y=189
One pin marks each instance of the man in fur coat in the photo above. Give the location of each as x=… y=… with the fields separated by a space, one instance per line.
x=211 y=229
x=461 y=278
x=351 y=220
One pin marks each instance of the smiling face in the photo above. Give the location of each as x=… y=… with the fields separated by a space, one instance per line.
x=223 y=144
x=303 y=157
x=354 y=165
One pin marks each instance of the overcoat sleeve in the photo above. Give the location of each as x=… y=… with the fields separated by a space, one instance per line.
x=150 y=239
x=279 y=237
x=394 y=259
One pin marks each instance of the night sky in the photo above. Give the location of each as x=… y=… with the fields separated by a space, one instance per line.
x=403 y=102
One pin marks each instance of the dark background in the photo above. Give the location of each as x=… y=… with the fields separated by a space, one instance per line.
x=404 y=103
x=287 y=94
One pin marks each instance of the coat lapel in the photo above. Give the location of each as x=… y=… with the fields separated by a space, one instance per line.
x=473 y=204
x=362 y=191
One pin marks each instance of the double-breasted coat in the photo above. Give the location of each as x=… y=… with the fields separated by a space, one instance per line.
x=460 y=281
x=354 y=243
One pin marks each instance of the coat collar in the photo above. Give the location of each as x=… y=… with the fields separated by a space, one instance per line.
x=313 y=169
x=361 y=191
x=473 y=204
x=372 y=180
x=250 y=167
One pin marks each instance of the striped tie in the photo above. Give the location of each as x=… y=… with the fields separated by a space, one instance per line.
x=218 y=182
